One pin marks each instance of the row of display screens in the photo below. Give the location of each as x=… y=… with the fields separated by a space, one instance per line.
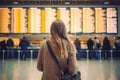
x=77 y=20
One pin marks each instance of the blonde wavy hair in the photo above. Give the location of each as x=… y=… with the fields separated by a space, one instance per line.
x=59 y=35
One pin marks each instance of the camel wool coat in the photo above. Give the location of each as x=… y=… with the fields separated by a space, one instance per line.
x=47 y=65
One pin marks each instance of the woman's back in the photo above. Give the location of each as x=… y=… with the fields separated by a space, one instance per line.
x=48 y=66
x=63 y=50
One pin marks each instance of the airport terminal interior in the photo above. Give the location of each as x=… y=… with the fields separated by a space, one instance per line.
x=84 y=20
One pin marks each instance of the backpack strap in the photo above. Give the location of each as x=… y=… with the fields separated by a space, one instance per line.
x=53 y=55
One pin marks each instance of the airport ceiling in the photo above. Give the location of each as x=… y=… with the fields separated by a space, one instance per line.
x=60 y=2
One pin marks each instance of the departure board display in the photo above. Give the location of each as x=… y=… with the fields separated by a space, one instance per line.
x=77 y=20
x=64 y=14
x=111 y=20
x=100 y=20
x=50 y=18
x=4 y=20
x=34 y=20
x=88 y=20
x=18 y=20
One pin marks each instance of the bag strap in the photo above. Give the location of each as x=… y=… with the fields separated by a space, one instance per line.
x=53 y=55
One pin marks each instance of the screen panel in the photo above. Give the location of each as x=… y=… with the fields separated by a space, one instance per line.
x=111 y=20
x=76 y=20
x=34 y=20
x=64 y=15
x=18 y=20
x=100 y=20
x=4 y=20
x=50 y=17
x=88 y=20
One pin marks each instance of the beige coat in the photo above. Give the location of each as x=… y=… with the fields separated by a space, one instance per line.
x=47 y=65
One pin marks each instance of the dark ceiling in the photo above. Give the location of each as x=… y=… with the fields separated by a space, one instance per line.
x=59 y=2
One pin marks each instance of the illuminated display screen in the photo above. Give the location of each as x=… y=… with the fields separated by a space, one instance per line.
x=34 y=20
x=100 y=20
x=111 y=20
x=64 y=14
x=4 y=20
x=18 y=20
x=77 y=20
x=50 y=18
x=88 y=20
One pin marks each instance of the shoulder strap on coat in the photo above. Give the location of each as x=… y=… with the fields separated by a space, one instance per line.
x=53 y=55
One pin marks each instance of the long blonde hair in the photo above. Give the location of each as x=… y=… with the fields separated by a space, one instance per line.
x=59 y=35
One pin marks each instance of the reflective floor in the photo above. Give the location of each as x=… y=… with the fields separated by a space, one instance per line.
x=90 y=70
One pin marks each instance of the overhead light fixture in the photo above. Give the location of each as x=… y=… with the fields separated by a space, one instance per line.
x=15 y=2
x=67 y=3
x=106 y=2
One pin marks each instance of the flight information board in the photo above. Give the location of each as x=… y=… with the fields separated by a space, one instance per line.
x=34 y=20
x=88 y=20
x=5 y=20
x=100 y=20
x=112 y=20
x=18 y=20
x=50 y=18
x=64 y=14
x=77 y=20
